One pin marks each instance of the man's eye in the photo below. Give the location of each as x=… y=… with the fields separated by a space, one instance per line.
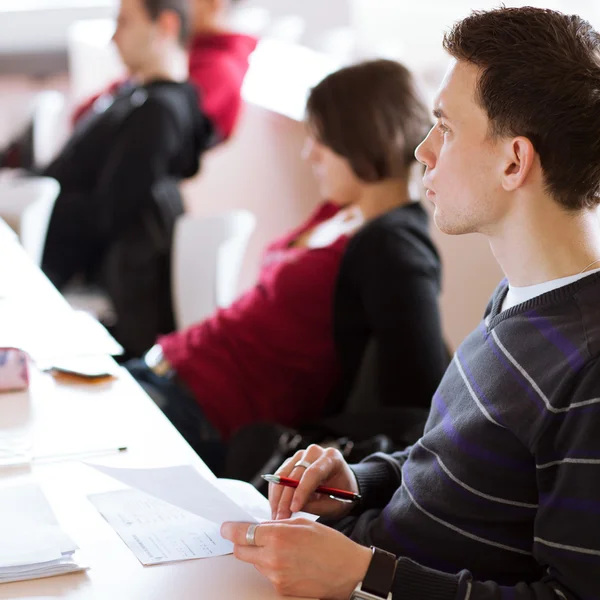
x=443 y=128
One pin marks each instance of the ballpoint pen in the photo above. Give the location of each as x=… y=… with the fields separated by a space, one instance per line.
x=335 y=494
x=22 y=457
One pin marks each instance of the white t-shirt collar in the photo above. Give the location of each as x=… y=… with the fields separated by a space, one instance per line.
x=518 y=295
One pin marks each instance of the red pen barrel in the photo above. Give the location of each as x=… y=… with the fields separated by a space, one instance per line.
x=341 y=494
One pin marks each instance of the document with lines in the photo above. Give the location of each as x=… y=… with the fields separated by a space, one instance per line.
x=175 y=514
x=158 y=532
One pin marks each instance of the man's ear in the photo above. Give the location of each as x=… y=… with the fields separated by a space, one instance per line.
x=520 y=158
x=169 y=22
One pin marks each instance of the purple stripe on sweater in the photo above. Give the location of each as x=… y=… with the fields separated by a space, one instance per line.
x=521 y=381
x=565 y=555
x=528 y=388
x=507 y=593
x=570 y=351
x=572 y=504
x=480 y=393
x=486 y=534
x=512 y=510
x=413 y=550
x=470 y=448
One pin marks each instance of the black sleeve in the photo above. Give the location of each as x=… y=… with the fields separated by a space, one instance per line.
x=84 y=223
x=398 y=281
x=140 y=157
x=379 y=476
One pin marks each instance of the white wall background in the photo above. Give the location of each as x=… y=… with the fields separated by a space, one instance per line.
x=402 y=29
x=406 y=30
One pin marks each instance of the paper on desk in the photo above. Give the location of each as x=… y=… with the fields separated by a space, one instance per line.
x=26 y=506
x=158 y=532
x=32 y=544
x=184 y=487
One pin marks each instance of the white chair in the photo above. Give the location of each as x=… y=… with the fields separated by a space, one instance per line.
x=208 y=253
x=7 y=235
x=26 y=204
x=35 y=220
x=48 y=118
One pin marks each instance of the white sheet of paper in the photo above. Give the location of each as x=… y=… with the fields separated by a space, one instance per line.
x=184 y=487
x=25 y=508
x=248 y=497
x=32 y=544
x=158 y=532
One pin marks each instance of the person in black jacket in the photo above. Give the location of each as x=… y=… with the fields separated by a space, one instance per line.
x=386 y=320
x=118 y=173
x=386 y=313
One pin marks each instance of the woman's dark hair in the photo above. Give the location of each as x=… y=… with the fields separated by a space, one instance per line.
x=372 y=115
x=540 y=78
x=182 y=7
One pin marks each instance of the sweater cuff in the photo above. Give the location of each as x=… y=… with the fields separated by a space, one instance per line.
x=415 y=582
x=375 y=484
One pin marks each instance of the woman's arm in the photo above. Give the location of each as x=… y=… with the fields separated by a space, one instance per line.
x=398 y=282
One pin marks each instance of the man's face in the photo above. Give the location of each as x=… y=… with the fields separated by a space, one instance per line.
x=205 y=13
x=463 y=165
x=135 y=34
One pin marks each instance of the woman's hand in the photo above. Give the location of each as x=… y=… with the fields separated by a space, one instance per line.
x=319 y=466
x=302 y=558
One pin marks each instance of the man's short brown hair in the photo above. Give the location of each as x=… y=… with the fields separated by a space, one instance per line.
x=540 y=78
x=183 y=9
x=372 y=115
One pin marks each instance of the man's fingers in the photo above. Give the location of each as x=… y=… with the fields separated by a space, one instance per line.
x=238 y=533
x=285 y=500
x=311 y=467
x=284 y=495
x=276 y=491
x=249 y=554
x=319 y=471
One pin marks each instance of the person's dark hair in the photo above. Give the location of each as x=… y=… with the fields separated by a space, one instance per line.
x=372 y=115
x=182 y=7
x=540 y=78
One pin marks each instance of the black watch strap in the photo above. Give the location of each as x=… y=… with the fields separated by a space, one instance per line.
x=380 y=574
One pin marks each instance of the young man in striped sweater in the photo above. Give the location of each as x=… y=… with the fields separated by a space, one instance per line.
x=501 y=496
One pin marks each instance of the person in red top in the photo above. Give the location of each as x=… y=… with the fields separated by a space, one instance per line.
x=218 y=62
x=272 y=355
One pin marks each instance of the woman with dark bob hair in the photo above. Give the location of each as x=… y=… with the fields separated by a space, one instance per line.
x=361 y=273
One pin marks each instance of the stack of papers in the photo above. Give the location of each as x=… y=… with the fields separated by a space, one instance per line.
x=175 y=514
x=32 y=544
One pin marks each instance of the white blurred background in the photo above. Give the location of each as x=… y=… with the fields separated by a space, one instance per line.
x=64 y=45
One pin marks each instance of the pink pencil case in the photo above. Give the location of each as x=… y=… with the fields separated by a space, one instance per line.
x=14 y=370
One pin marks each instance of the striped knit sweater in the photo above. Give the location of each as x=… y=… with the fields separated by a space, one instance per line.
x=501 y=496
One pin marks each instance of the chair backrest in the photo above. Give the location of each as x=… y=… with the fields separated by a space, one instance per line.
x=35 y=219
x=47 y=120
x=6 y=233
x=208 y=253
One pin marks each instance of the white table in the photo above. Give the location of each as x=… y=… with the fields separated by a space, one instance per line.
x=71 y=417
